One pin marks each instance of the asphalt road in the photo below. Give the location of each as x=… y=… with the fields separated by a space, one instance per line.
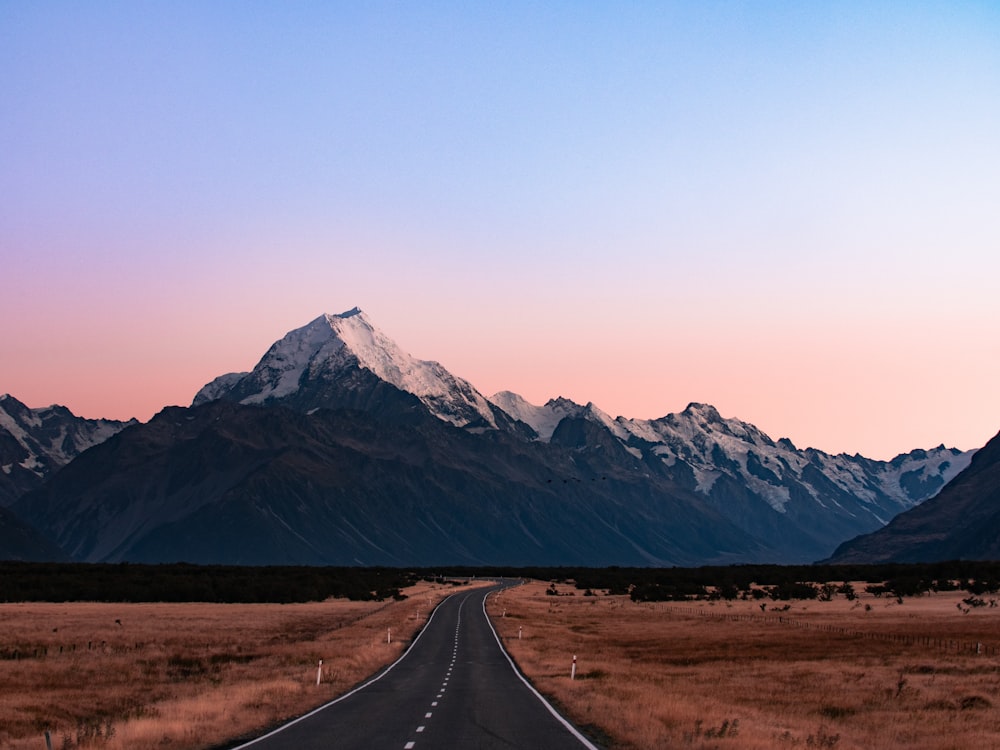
x=453 y=689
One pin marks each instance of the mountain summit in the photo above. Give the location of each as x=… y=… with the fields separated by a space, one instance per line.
x=344 y=361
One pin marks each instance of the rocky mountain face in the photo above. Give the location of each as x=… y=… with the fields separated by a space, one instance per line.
x=20 y=541
x=339 y=448
x=770 y=489
x=961 y=523
x=34 y=443
x=225 y=482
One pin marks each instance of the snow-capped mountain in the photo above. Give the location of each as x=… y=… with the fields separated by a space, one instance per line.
x=962 y=522
x=340 y=448
x=747 y=475
x=544 y=419
x=334 y=357
x=36 y=442
x=767 y=487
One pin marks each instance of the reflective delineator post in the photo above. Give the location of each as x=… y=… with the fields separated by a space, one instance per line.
x=319 y=672
x=572 y=672
x=388 y=635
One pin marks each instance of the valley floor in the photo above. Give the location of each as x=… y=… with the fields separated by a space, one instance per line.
x=864 y=674
x=870 y=673
x=186 y=676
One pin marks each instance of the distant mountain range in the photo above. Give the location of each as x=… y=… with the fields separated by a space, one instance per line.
x=339 y=448
x=961 y=522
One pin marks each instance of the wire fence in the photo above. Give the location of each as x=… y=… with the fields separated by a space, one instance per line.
x=950 y=645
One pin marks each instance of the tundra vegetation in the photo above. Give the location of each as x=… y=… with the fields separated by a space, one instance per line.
x=849 y=665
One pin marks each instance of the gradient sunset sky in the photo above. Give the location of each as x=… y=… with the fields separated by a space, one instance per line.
x=790 y=211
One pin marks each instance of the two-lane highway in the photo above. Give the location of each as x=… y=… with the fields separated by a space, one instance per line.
x=455 y=687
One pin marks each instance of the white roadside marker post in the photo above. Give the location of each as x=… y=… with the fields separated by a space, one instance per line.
x=388 y=635
x=319 y=672
x=518 y=632
x=572 y=673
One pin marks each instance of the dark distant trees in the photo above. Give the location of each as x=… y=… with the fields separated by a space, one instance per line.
x=125 y=582
x=180 y=582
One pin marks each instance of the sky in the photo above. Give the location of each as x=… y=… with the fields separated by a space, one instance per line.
x=786 y=210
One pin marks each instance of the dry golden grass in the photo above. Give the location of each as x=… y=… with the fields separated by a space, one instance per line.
x=819 y=675
x=127 y=676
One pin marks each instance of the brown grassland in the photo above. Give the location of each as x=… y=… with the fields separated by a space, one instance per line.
x=127 y=676
x=865 y=674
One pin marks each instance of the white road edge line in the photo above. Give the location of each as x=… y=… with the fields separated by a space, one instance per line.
x=572 y=730
x=360 y=687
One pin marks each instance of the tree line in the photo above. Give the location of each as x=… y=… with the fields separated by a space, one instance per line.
x=182 y=582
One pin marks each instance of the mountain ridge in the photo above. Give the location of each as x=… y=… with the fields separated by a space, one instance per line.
x=763 y=497
x=347 y=487
x=960 y=522
x=37 y=442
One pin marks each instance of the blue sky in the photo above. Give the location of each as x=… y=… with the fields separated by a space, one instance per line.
x=783 y=209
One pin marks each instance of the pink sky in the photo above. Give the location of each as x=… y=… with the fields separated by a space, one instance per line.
x=788 y=213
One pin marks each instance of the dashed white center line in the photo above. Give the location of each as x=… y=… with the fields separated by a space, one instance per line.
x=409 y=745
x=428 y=715
x=433 y=703
x=420 y=729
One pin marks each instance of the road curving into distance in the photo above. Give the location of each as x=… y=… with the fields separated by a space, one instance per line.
x=454 y=688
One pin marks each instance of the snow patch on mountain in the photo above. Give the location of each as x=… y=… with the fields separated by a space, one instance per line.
x=427 y=380
x=49 y=437
x=218 y=387
x=544 y=419
x=710 y=446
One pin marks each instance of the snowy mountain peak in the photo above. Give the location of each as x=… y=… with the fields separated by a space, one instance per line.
x=34 y=443
x=706 y=412
x=301 y=366
x=544 y=419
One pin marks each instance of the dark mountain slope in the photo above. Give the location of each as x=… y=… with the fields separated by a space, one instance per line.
x=19 y=541
x=231 y=483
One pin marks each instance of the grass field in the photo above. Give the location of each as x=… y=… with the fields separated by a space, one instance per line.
x=186 y=676
x=865 y=674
